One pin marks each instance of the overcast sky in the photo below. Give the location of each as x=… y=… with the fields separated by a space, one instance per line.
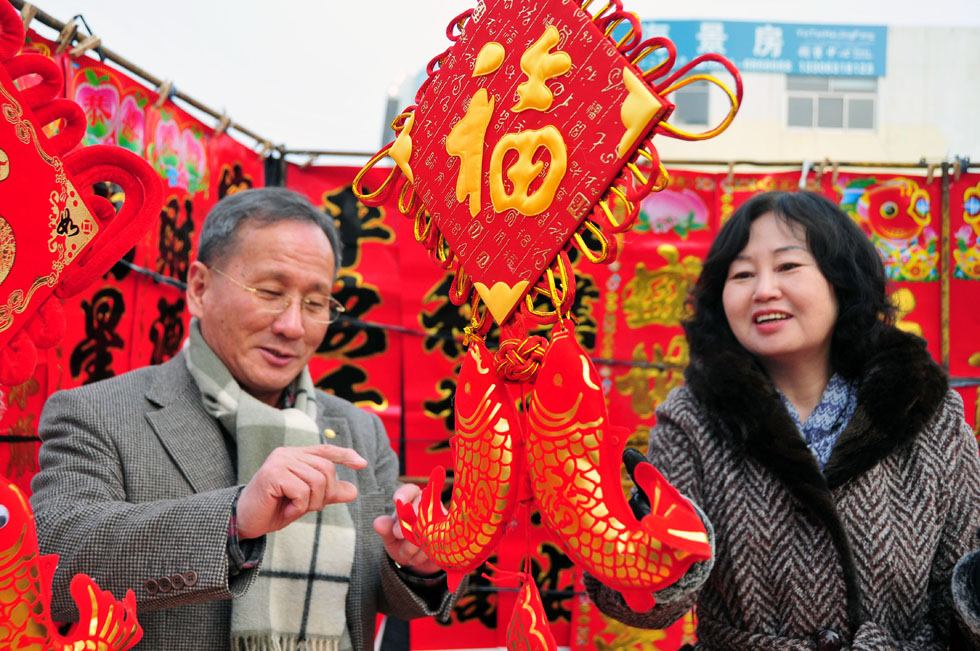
x=315 y=74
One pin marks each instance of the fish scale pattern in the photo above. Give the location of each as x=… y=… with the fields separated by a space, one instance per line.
x=487 y=467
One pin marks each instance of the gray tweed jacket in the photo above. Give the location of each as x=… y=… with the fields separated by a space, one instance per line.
x=136 y=485
x=859 y=556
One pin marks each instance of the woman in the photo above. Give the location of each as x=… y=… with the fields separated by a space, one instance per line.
x=831 y=461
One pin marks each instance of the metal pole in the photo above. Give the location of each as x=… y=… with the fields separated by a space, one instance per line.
x=944 y=277
x=699 y=163
x=52 y=22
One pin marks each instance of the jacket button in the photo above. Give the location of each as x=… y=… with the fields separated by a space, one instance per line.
x=152 y=586
x=165 y=584
x=178 y=581
x=190 y=578
x=829 y=640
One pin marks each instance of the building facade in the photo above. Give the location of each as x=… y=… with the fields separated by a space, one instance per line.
x=911 y=96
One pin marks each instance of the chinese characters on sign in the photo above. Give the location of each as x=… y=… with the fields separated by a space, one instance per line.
x=793 y=49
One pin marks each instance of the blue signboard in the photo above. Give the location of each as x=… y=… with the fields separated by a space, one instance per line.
x=787 y=48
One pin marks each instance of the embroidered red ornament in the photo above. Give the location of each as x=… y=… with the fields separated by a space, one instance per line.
x=56 y=235
x=532 y=136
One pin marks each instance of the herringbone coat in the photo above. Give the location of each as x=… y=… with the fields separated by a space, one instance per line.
x=136 y=484
x=859 y=556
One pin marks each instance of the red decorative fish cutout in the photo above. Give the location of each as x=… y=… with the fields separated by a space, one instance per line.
x=104 y=624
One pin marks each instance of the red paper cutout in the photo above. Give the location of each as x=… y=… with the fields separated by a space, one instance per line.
x=528 y=628
x=25 y=593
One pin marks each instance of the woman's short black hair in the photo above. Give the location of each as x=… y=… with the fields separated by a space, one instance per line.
x=844 y=254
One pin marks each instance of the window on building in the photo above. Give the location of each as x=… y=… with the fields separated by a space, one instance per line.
x=692 y=104
x=831 y=102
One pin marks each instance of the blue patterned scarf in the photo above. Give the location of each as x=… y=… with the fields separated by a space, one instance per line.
x=826 y=422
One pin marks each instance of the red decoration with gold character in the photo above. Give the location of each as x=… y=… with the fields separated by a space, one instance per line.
x=533 y=136
x=56 y=235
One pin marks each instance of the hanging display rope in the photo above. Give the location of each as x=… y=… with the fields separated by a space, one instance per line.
x=397 y=329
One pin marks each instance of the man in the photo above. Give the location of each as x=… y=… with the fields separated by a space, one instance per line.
x=179 y=481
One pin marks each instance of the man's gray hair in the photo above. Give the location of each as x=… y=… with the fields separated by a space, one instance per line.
x=262 y=206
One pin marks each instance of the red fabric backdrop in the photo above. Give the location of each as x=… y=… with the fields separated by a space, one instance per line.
x=629 y=318
x=398 y=350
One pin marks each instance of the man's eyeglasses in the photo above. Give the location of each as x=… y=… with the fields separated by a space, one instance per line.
x=318 y=308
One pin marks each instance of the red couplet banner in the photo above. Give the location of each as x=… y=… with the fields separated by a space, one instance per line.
x=361 y=356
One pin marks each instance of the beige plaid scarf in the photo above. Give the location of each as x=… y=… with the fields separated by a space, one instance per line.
x=297 y=602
